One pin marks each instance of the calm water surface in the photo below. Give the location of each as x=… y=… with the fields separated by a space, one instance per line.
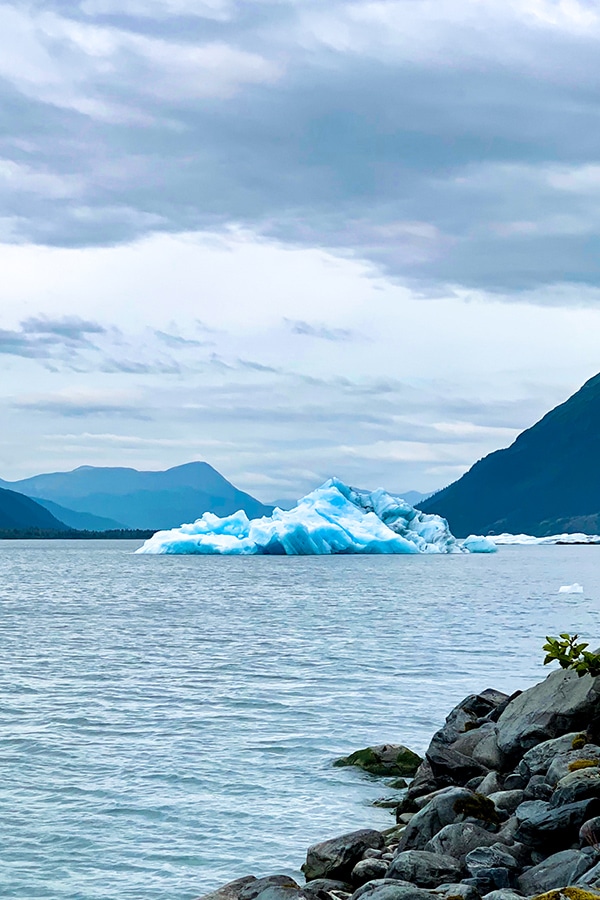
x=168 y=723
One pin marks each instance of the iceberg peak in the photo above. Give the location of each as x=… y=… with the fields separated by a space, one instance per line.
x=334 y=518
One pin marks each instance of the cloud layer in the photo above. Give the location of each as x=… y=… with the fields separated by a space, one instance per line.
x=448 y=142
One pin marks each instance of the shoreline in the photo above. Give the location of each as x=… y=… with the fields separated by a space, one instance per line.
x=504 y=806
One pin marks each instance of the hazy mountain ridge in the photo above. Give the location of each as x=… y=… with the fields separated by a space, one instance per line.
x=20 y=512
x=547 y=481
x=137 y=499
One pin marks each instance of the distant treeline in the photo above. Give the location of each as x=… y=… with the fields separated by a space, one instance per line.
x=116 y=534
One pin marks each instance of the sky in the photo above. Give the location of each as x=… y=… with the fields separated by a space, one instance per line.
x=294 y=239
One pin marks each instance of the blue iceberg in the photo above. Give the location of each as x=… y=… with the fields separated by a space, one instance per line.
x=332 y=519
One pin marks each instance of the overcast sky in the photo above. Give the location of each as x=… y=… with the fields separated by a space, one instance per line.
x=294 y=238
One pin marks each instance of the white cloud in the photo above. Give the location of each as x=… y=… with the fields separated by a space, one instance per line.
x=75 y=65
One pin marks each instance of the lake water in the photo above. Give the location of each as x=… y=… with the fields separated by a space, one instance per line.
x=168 y=724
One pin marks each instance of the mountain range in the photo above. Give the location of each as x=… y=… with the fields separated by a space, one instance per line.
x=546 y=482
x=18 y=513
x=96 y=498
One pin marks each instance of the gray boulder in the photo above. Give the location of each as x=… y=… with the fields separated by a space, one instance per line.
x=451 y=765
x=274 y=887
x=579 y=785
x=424 y=782
x=368 y=870
x=465 y=891
x=562 y=703
x=458 y=839
x=390 y=889
x=450 y=753
x=366 y=889
x=507 y=800
x=425 y=869
x=591 y=878
x=337 y=857
x=231 y=890
x=562 y=764
x=537 y=760
x=537 y=788
x=487 y=880
x=491 y=784
x=427 y=822
x=316 y=889
x=495 y=856
x=467 y=712
x=385 y=759
x=558 y=870
x=488 y=753
x=503 y=894
x=540 y=824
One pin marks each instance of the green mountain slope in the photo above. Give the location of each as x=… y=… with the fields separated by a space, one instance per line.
x=546 y=482
x=19 y=512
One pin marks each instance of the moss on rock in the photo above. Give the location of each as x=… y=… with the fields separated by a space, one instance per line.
x=582 y=764
x=388 y=759
x=478 y=807
x=570 y=893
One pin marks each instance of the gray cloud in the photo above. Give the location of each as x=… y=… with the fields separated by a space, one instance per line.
x=71 y=408
x=320 y=331
x=44 y=338
x=442 y=150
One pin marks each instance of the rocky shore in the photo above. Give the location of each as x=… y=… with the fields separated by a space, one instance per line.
x=505 y=805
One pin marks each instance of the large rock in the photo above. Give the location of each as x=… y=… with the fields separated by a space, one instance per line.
x=491 y=784
x=390 y=889
x=556 y=871
x=321 y=887
x=458 y=839
x=488 y=753
x=503 y=894
x=273 y=887
x=452 y=766
x=537 y=760
x=574 y=760
x=368 y=870
x=450 y=753
x=425 y=869
x=458 y=891
x=337 y=857
x=562 y=703
x=540 y=824
x=495 y=856
x=579 y=785
x=231 y=890
x=443 y=809
x=386 y=759
x=508 y=801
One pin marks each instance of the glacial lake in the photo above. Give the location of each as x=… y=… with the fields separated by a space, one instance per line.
x=168 y=723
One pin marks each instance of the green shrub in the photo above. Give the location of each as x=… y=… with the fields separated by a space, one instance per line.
x=570 y=655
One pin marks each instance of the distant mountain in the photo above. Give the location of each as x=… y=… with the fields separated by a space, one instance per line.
x=22 y=513
x=414 y=497
x=285 y=503
x=546 y=482
x=137 y=499
x=80 y=520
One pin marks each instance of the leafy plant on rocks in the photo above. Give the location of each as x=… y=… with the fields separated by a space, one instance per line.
x=570 y=655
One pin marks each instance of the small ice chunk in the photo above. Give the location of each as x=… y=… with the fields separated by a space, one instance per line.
x=477 y=543
x=571 y=589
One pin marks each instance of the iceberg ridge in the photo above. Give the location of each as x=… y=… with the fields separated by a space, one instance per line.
x=334 y=518
x=527 y=539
